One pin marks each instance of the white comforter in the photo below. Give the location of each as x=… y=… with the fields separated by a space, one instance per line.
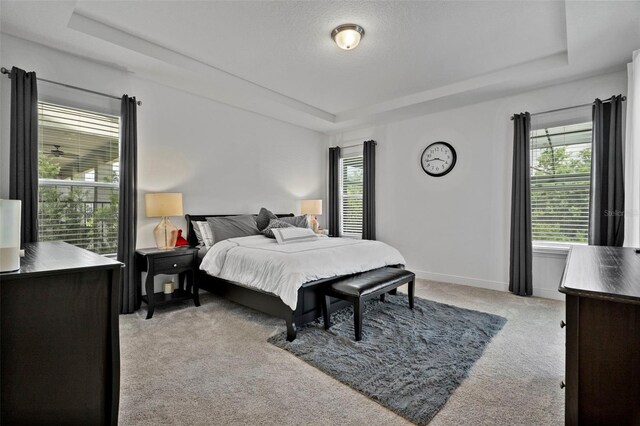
x=262 y=263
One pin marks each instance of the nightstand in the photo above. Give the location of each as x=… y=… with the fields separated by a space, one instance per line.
x=178 y=260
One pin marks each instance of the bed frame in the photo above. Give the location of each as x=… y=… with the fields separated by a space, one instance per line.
x=309 y=302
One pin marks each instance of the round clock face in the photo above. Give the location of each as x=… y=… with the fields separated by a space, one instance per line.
x=438 y=159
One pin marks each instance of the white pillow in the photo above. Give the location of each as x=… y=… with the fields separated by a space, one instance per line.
x=207 y=234
x=294 y=235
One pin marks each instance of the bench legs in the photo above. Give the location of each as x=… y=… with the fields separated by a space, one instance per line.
x=357 y=315
x=412 y=290
x=357 y=318
x=326 y=314
x=357 y=309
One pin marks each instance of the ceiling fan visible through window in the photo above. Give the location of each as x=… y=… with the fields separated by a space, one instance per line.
x=57 y=152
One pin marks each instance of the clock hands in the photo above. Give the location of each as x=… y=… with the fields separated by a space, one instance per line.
x=434 y=159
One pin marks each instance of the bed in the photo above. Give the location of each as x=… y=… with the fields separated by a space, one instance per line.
x=308 y=303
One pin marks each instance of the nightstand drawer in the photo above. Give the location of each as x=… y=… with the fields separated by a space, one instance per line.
x=173 y=262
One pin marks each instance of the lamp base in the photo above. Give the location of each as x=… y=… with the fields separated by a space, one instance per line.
x=9 y=259
x=313 y=221
x=165 y=234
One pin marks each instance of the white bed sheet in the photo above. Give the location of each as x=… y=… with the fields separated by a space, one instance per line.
x=260 y=262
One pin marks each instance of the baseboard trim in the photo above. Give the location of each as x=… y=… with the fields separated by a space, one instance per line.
x=455 y=279
x=475 y=282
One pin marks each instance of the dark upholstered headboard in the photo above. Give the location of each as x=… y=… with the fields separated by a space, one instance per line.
x=191 y=235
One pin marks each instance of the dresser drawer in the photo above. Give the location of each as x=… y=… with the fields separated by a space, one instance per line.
x=171 y=263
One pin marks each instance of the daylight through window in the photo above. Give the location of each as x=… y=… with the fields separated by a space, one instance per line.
x=78 y=167
x=560 y=183
x=351 y=182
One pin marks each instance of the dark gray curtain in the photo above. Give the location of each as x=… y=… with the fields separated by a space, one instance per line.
x=334 y=191
x=23 y=157
x=520 y=269
x=369 y=191
x=127 y=207
x=606 y=206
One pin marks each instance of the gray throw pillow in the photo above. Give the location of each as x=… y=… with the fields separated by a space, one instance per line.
x=297 y=221
x=196 y=229
x=263 y=219
x=273 y=224
x=232 y=226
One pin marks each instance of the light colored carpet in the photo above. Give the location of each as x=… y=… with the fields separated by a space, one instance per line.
x=213 y=365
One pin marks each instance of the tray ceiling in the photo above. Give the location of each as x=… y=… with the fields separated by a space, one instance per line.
x=277 y=59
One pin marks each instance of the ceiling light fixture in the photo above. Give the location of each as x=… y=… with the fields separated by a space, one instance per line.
x=347 y=36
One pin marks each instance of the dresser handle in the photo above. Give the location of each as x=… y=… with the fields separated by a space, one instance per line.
x=562 y=385
x=562 y=324
x=175 y=265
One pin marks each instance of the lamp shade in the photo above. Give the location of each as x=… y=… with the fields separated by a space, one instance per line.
x=163 y=204
x=313 y=207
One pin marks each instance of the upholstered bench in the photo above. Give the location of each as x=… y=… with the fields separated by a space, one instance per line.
x=364 y=286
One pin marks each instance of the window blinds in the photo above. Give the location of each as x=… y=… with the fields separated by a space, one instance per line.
x=560 y=183
x=351 y=195
x=78 y=167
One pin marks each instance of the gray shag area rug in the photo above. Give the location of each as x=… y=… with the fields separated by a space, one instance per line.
x=409 y=361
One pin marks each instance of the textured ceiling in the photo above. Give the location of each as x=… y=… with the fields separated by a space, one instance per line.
x=286 y=46
x=277 y=59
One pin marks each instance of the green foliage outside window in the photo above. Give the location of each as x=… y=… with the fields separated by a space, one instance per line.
x=560 y=184
x=71 y=213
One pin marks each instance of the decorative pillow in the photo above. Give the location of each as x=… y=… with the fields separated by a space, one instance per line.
x=294 y=235
x=297 y=221
x=275 y=224
x=263 y=219
x=206 y=233
x=196 y=229
x=232 y=227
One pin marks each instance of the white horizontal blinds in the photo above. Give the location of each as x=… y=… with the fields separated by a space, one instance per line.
x=560 y=183
x=78 y=166
x=351 y=195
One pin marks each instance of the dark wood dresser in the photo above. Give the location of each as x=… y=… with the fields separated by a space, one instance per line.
x=59 y=341
x=602 y=285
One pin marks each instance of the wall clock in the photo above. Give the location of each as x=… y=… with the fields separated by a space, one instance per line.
x=438 y=159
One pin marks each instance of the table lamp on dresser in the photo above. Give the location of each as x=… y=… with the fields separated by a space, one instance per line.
x=312 y=208
x=163 y=205
x=10 y=216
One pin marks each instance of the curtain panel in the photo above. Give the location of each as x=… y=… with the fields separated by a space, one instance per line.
x=521 y=249
x=127 y=207
x=334 y=191
x=369 y=191
x=606 y=204
x=23 y=156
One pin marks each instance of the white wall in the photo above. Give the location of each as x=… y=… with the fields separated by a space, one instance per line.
x=456 y=228
x=223 y=160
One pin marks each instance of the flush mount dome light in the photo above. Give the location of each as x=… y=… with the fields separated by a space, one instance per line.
x=347 y=36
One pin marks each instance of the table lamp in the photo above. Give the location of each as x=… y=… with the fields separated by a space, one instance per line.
x=164 y=204
x=10 y=211
x=312 y=208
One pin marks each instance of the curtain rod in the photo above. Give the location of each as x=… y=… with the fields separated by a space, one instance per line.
x=352 y=146
x=8 y=73
x=624 y=98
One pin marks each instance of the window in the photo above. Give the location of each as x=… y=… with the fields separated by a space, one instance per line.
x=560 y=183
x=78 y=166
x=352 y=173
